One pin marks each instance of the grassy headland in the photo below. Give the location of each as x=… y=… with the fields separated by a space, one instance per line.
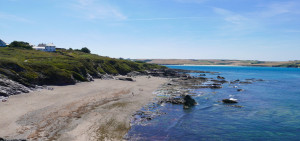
x=31 y=67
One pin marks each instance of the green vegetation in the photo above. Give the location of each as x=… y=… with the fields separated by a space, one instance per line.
x=85 y=50
x=20 y=44
x=292 y=64
x=31 y=67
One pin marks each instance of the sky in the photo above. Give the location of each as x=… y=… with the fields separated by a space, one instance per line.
x=159 y=29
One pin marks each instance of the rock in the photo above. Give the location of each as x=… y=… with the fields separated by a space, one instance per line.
x=231 y=100
x=236 y=106
x=220 y=77
x=245 y=82
x=133 y=74
x=89 y=77
x=9 y=87
x=235 y=81
x=125 y=78
x=240 y=90
x=215 y=86
x=219 y=81
x=106 y=77
x=173 y=100
x=189 y=101
x=2 y=139
x=202 y=74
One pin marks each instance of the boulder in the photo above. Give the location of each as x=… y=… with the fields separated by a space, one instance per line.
x=189 y=101
x=9 y=87
x=230 y=100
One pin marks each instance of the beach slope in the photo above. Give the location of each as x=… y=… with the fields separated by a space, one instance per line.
x=99 y=110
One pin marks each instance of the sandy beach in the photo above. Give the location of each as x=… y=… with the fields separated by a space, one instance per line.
x=99 y=110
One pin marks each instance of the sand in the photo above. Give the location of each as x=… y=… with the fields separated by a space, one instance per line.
x=99 y=110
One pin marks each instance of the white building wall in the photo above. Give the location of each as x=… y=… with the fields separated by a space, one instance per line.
x=50 y=48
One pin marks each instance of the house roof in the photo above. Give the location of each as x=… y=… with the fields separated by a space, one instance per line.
x=38 y=47
x=50 y=44
x=2 y=43
x=41 y=45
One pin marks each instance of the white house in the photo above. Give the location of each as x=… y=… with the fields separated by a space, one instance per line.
x=50 y=47
x=2 y=44
x=46 y=47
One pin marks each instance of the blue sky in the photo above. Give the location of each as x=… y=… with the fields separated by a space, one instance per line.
x=183 y=29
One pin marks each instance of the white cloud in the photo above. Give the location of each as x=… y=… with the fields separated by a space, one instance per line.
x=278 y=8
x=165 y=18
x=191 y=1
x=230 y=16
x=10 y=17
x=92 y=9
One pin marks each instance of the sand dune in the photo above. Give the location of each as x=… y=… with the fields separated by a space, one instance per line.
x=99 y=110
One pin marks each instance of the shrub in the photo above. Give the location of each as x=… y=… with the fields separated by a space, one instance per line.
x=85 y=50
x=20 y=44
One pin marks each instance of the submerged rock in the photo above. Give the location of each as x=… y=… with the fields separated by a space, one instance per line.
x=220 y=77
x=240 y=90
x=245 y=82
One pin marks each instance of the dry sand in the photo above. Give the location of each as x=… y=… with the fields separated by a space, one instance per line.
x=99 y=110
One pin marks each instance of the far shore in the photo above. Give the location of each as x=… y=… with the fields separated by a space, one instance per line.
x=224 y=65
x=99 y=110
x=208 y=65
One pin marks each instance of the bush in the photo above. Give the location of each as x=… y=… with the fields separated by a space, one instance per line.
x=85 y=50
x=20 y=44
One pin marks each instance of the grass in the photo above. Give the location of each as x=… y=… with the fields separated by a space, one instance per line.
x=31 y=67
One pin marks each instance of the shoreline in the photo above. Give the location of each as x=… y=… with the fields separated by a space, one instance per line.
x=228 y=65
x=98 y=110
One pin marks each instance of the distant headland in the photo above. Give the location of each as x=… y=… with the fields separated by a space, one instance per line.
x=223 y=62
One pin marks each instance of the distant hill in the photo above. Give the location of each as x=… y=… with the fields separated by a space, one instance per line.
x=221 y=62
x=31 y=67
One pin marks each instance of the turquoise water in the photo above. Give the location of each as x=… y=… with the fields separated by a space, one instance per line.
x=271 y=109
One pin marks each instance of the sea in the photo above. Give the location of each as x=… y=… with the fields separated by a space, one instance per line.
x=268 y=109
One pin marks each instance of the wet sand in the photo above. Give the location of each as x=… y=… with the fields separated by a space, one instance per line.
x=99 y=110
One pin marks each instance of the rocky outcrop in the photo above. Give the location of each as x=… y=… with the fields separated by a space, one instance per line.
x=9 y=87
x=89 y=77
x=2 y=139
x=106 y=76
x=189 y=102
x=133 y=74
